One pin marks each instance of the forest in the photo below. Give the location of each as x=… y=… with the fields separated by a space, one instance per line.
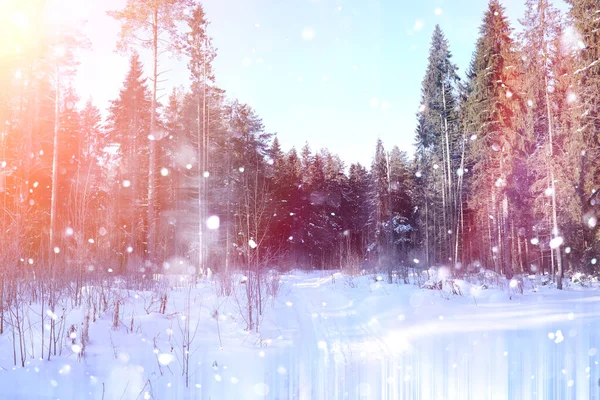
x=171 y=245
x=503 y=176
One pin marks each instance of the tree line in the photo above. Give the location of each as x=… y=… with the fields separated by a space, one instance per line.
x=193 y=184
x=507 y=159
x=503 y=178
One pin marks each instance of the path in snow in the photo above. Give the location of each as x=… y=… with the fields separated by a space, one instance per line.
x=395 y=342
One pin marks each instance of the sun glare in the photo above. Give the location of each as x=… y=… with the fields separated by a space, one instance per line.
x=14 y=26
x=24 y=24
x=20 y=20
x=67 y=11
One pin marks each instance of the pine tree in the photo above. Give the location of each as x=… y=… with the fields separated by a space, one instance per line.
x=93 y=194
x=541 y=27
x=489 y=117
x=355 y=209
x=570 y=154
x=63 y=63
x=252 y=202
x=128 y=126
x=380 y=208
x=423 y=193
x=93 y=138
x=154 y=25
x=284 y=185
x=174 y=161
x=437 y=142
x=584 y=15
x=69 y=159
x=315 y=229
x=333 y=168
x=296 y=202
x=201 y=53
x=401 y=204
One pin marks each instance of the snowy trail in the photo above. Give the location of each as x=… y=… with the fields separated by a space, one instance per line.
x=396 y=342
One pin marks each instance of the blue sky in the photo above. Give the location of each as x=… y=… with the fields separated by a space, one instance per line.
x=336 y=73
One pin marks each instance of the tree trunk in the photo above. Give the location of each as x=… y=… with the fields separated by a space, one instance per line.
x=428 y=263
x=151 y=239
x=506 y=244
x=200 y=137
x=447 y=167
x=54 y=173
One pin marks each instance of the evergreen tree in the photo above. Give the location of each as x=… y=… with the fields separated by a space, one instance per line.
x=252 y=202
x=284 y=185
x=541 y=27
x=199 y=48
x=584 y=15
x=92 y=136
x=296 y=202
x=69 y=160
x=173 y=160
x=401 y=204
x=128 y=125
x=152 y=25
x=489 y=116
x=437 y=145
x=315 y=237
x=569 y=156
x=380 y=207
x=355 y=214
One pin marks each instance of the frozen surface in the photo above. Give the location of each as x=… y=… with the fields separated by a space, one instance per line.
x=327 y=336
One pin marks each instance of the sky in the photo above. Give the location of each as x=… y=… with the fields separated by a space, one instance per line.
x=334 y=73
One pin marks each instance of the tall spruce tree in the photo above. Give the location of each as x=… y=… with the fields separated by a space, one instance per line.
x=380 y=207
x=355 y=213
x=584 y=15
x=201 y=54
x=569 y=154
x=489 y=117
x=401 y=204
x=437 y=153
x=541 y=26
x=128 y=126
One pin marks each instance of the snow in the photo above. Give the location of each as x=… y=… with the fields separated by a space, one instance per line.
x=213 y=222
x=325 y=335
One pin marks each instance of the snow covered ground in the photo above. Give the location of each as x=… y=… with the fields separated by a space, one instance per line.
x=325 y=336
